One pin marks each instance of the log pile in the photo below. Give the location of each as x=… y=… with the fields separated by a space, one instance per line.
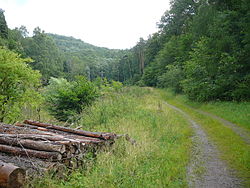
x=33 y=146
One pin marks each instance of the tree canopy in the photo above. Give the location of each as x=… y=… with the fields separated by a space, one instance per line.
x=201 y=49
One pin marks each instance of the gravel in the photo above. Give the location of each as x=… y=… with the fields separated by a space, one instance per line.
x=206 y=169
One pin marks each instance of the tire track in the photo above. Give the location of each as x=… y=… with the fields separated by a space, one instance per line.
x=206 y=169
x=243 y=133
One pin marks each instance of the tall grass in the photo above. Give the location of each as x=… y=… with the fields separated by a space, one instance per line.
x=159 y=157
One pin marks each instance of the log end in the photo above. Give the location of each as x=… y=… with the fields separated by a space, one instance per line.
x=16 y=178
x=11 y=176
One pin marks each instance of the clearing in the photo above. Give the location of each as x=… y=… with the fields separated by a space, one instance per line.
x=176 y=146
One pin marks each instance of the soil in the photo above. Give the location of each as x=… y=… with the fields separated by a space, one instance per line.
x=206 y=169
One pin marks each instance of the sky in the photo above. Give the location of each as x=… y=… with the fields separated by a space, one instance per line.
x=116 y=24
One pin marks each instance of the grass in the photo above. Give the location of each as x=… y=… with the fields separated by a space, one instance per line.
x=232 y=148
x=235 y=112
x=158 y=159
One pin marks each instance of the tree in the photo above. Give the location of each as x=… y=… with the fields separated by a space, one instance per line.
x=3 y=25
x=46 y=55
x=67 y=99
x=18 y=84
x=141 y=54
x=211 y=74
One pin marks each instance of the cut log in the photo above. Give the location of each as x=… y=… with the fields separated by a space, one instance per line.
x=44 y=137
x=31 y=126
x=105 y=136
x=12 y=129
x=11 y=176
x=66 y=135
x=53 y=156
x=40 y=143
x=31 y=144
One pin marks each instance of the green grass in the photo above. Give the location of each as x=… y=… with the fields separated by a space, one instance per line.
x=160 y=156
x=235 y=112
x=238 y=113
x=232 y=148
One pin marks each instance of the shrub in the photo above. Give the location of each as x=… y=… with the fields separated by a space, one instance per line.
x=172 y=78
x=18 y=85
x=67 y=99
x=116 y=85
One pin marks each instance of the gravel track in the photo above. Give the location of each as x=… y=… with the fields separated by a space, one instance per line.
x=206 y=169
x=243 y=133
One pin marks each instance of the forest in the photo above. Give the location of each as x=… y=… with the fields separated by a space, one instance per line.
x=199 y=57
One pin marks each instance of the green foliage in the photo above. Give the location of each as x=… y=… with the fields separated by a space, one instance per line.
x=172 y=78
x=201 y=49
x=18 y=85
x=3 y=25
x=159 y=157
x=150 y=75
x=212 y=74
x=116 y=85
x=168 y=64
x=46 y=55
x=107 y=86
x=67 y=99
x=85 y=59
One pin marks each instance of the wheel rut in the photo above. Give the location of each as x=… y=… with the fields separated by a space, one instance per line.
x=206 y=169
x=243 y=133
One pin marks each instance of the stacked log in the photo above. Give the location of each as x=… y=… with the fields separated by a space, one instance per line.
x=45 y=146
x=11 y=175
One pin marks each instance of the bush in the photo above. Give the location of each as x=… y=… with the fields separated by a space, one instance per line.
x=67 y=99
x=116 y=85
x=18 y=85
x=172 y=78
x=105 y=85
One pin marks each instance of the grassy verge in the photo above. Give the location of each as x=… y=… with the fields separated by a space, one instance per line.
x=232 y=148
x=235 y=112
x=159 y=158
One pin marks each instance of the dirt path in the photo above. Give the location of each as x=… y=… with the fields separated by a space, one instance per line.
x=206 y=170
x=243 y=133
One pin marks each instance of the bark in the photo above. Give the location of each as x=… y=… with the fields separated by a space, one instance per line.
x=105 y=136
x=41 y=137
x=53 y=156
x=31 y=144
x=66 y=135
x=12 y=129
x=11 y=176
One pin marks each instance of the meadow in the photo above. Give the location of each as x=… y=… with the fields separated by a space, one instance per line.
x=158 y=158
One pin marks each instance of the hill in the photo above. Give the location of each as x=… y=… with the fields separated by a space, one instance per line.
x=84 y=58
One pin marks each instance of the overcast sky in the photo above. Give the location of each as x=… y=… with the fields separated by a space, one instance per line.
x=107 y=23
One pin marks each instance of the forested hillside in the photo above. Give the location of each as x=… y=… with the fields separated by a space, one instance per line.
x=201 y=49
x=60 y=56
x=81 y=58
